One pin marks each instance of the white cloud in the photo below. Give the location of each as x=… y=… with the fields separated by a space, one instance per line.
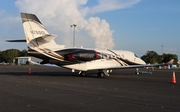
x=9 y=20
x=10 y=29
x=109 y=5
x=58 y=15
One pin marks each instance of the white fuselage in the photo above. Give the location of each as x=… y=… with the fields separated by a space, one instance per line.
x=127 y=58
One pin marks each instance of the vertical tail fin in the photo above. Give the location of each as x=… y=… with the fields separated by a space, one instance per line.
x=33 y=28
x=36 y=34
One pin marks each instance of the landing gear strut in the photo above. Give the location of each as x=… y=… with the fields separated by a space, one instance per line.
x=137 y=71
x=82 y=73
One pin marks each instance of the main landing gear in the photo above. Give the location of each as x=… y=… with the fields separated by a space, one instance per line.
x=82 y=73
x=101 y=73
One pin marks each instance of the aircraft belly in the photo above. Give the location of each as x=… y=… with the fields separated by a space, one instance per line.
x=102 y=64
x=95 y=64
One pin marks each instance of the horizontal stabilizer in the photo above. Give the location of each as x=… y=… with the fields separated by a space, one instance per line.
x=45 y=38
x=23 y=40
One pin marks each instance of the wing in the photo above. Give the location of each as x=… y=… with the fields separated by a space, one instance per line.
x=108 y=64
x=141 y=66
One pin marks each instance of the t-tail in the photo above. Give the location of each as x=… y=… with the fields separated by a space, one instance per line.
x=37 y=37
x=39 y=41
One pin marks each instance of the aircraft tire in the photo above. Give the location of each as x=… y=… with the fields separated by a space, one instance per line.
x=101 y=74
x=83 y=74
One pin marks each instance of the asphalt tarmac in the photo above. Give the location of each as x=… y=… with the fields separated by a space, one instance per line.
x=50 y=89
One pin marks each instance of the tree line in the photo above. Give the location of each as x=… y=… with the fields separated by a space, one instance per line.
x=152 y=57
x=7 y=56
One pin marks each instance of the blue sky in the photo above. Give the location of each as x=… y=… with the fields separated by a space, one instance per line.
x=135 y=25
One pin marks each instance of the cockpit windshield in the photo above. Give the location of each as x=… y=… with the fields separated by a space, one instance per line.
x=135 y=55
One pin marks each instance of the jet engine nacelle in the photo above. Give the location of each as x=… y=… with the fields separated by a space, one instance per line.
x=84 y=55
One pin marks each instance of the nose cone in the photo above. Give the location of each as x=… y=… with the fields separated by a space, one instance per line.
x=141 y=62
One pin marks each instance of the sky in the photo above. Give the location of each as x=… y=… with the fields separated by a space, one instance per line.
x=135 y=25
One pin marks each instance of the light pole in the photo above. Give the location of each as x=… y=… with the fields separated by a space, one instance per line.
x=162 y=49
x=73 y=25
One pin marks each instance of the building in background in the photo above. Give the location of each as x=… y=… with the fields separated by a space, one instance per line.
x=25 y=60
